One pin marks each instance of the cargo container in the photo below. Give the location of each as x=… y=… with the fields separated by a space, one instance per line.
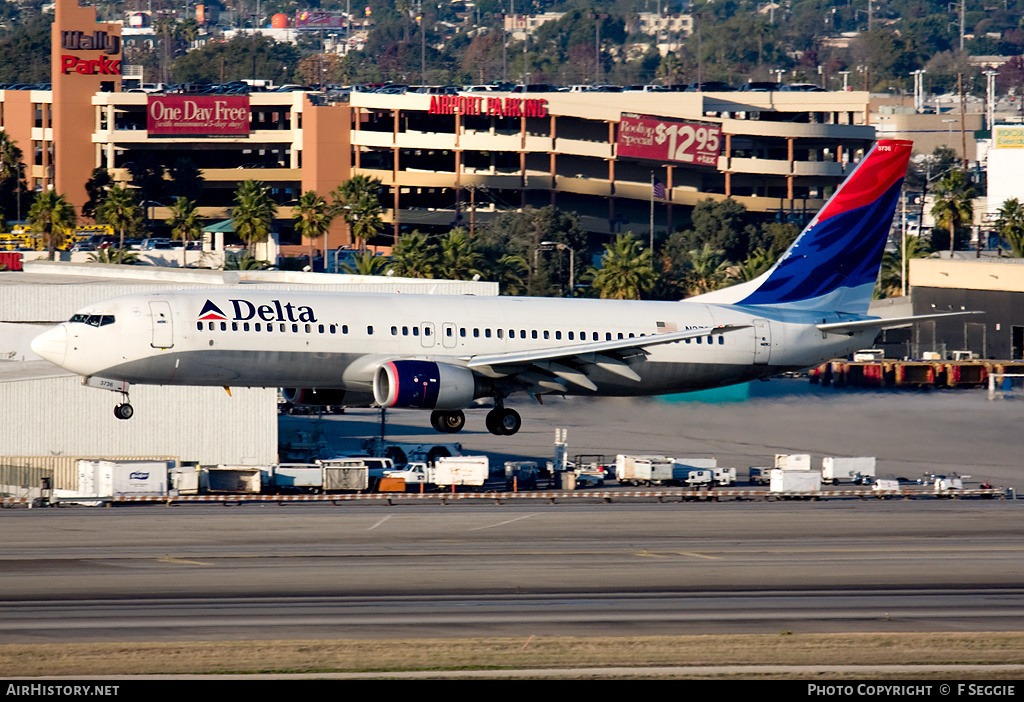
x=298 y=477
x=123 y=478
x=353 y=473
x=693 y=471
x=857 y=469
x=793 y=461
x=236 y=479
x=644 y=470
x=471 y=471
x=795 y=481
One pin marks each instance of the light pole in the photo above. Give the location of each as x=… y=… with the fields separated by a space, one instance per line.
x=918 y=90
x=572 y=262
x=990 y=94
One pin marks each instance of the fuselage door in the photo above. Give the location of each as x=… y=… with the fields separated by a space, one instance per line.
x=163 y=328
x=427 y=334
x=449 y=335
x=762 y=342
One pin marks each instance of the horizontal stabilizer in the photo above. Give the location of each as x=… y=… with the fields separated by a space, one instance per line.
x=884 y=323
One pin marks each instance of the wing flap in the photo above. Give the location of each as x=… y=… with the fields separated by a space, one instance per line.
x=580 y=351
x=569 y=363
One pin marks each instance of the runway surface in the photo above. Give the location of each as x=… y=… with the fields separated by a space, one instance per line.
x=373 y=571
x=153 y=573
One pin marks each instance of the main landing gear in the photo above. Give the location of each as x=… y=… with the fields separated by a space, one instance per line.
x=503 y=422
x=500 y=421
x=448 y=421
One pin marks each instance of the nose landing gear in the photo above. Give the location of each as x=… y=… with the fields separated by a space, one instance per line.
x=125 y=409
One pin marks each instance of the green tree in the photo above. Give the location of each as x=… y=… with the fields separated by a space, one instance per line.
x=242 y=57
x=708 y=267
x=357 y=202
x=758 y=262
x=890 y=274
x=414 y=256
x=253 y=213
x=521 y=233
x=625 y=272
x=112 y=254
x=245 y=262
x=10 y=173
x=312 y=219
x=366 y=263
x=185 y=224
x=96 y=188
x=509 y=271
x=953 y=209
x=459 y=258
x=120 y=210
x=1010 y=226
x=185 y=179
x=52 y=217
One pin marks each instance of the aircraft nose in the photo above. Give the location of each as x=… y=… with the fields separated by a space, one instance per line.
x=52 y=345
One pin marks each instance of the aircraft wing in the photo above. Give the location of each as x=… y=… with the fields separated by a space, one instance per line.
x=549 y=368
x=884 y=323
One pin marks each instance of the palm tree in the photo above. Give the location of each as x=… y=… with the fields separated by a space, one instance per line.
x=253 y=214
x=511 y=271
x=52 y=216
x=120 y=210
x=414 y=256
x=953 y=209
x=756 y=263
x=1011 y=226
x=186 y=179
x=113 y=255
x=366 y=263
x=10 y=170
x=707 y=269
x=626 y=272
x=357 y=203
x=459 y=257
x=312 y=219
x=185 y=224
x=245 y=262
x=890 y=275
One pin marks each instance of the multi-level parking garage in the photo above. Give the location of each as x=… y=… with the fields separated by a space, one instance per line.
x=611 y=157
x=448 y=158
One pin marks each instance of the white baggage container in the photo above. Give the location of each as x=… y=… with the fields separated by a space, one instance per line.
x=835 y=469
x=793 y=461
x=801 y=481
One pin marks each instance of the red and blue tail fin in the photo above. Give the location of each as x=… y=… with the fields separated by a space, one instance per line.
x=834 y=262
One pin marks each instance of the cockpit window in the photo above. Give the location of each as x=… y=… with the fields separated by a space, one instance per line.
x=93 y=320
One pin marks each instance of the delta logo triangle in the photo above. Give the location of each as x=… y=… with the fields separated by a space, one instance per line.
x=212 y=313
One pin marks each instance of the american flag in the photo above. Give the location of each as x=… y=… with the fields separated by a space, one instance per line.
x=659 y=189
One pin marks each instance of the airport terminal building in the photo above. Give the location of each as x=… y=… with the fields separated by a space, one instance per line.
x=442 y=160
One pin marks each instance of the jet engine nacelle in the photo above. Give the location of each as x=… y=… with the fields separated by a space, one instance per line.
x=424 y=385
x=312 y=396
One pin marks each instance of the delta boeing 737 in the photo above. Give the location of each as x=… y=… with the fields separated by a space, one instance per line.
x=444 y=353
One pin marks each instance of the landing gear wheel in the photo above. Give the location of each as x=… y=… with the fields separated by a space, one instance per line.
x=503 y=422
x=124 y=411
x=448 y=422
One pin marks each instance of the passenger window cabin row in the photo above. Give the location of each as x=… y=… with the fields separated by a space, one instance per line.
x=426 y=331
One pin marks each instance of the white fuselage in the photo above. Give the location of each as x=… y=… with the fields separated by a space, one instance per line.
x=266 y=338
